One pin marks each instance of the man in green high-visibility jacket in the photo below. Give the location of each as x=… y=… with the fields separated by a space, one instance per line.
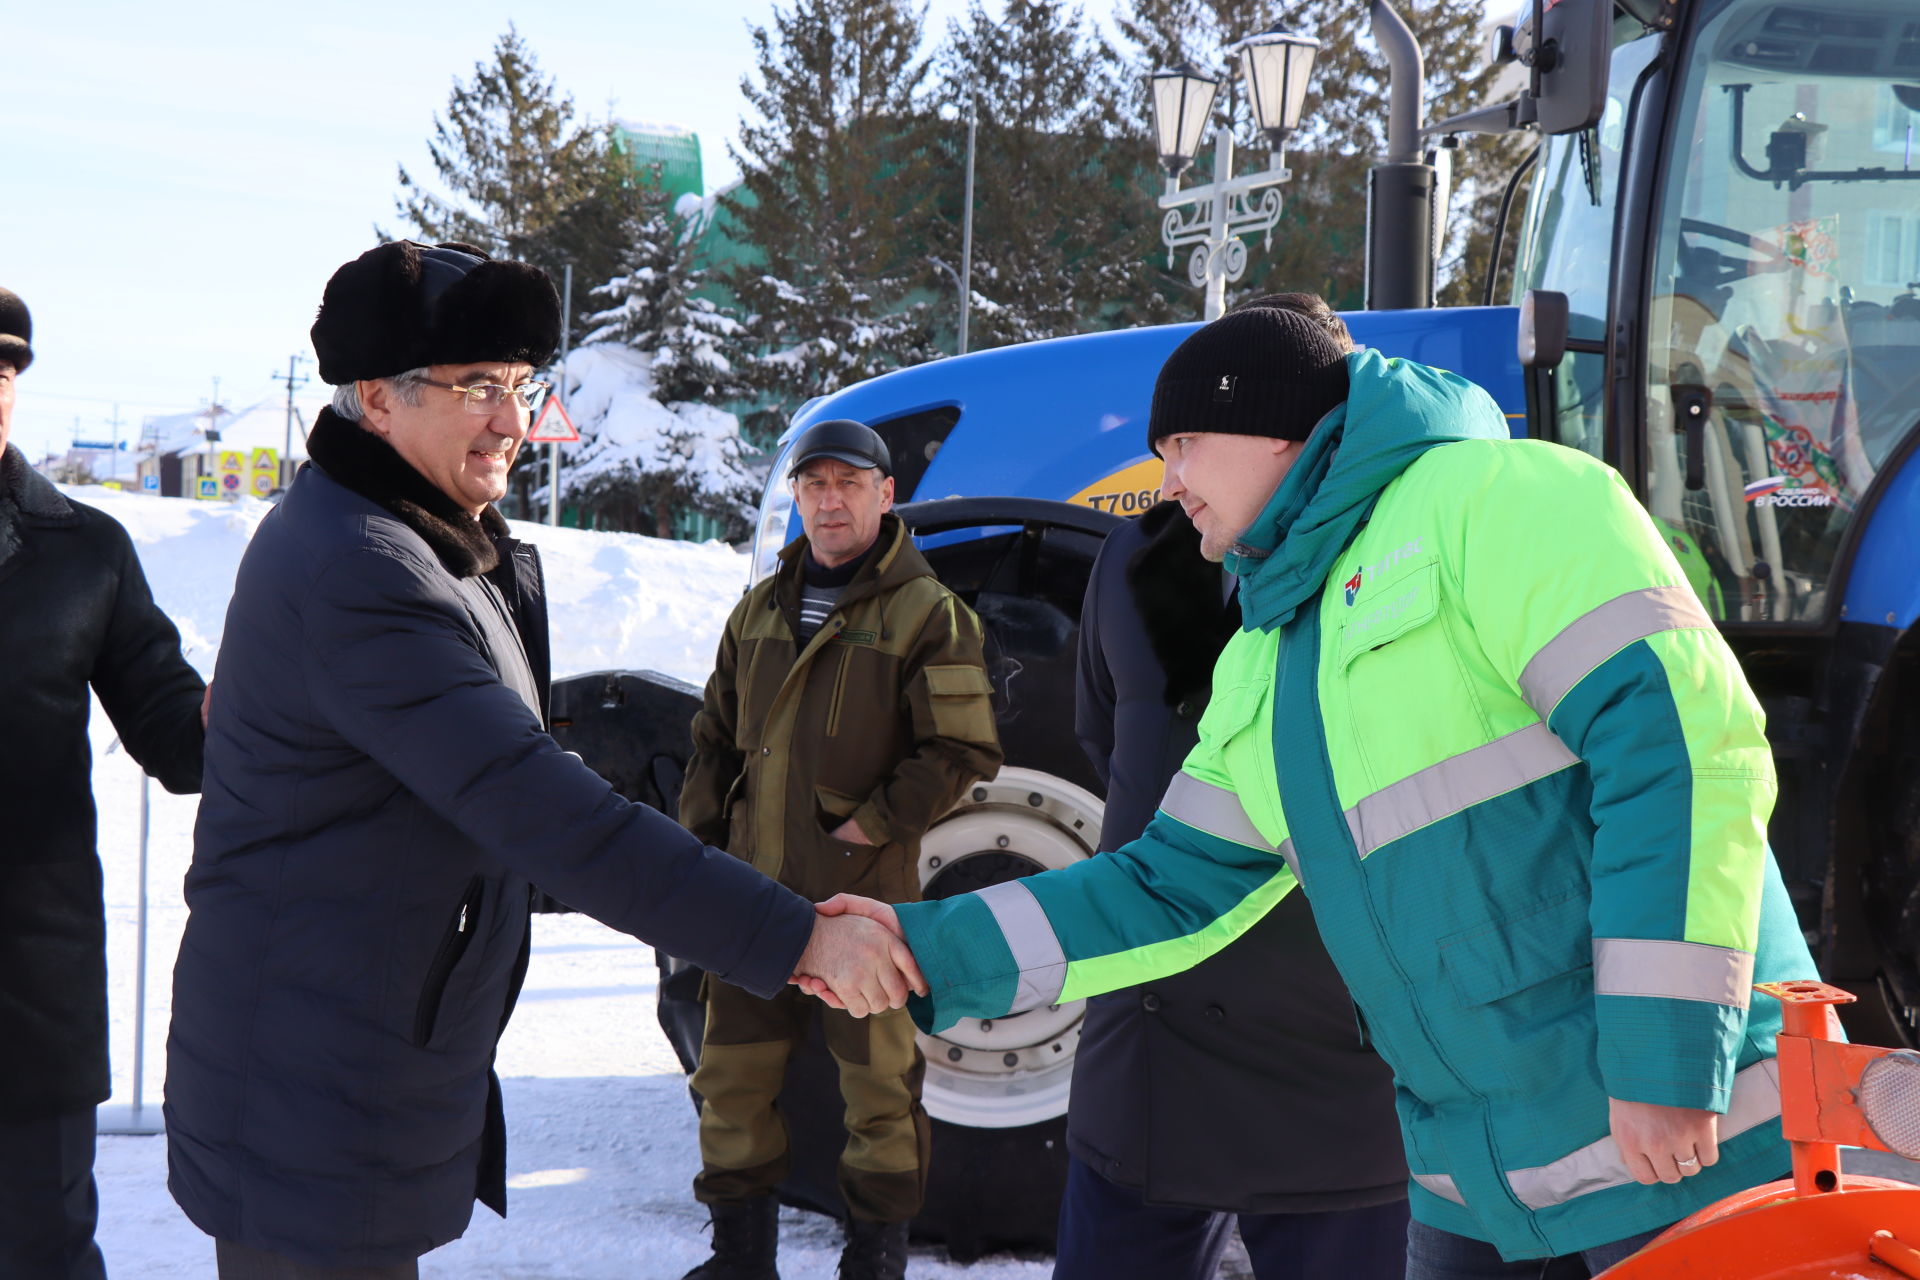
x=1479 y=716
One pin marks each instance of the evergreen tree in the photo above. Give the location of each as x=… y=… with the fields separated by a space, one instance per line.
x=644 y=386
x=524 y=179
x=654 y=306
x=1063 y=217
x=834 y=199
x=1320 y=244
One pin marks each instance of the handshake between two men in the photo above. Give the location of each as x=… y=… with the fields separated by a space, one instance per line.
x=856 y=959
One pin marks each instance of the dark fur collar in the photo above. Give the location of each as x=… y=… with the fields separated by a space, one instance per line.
x=363 y=462
x=26 y=497
x=1178 y=595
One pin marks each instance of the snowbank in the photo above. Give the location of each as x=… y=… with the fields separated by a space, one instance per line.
x=615 y=599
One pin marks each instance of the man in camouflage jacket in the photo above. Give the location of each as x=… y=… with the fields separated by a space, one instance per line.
x=848 y=709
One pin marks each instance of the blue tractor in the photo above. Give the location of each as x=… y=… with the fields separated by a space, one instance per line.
x=1717 y=292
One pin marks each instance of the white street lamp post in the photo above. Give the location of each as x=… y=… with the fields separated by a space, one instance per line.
x=1276 y=67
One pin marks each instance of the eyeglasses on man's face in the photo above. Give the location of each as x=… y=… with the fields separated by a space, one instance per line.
x=485 y=397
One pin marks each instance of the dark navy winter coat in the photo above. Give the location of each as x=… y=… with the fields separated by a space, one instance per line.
x=1241 y=1084
x=380 y=792
x=75 y=613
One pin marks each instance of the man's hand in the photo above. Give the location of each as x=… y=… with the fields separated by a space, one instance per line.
x=849 y=832
x=1663 y=1144
x=206 y=701
x=851 y=906
x=855 y=964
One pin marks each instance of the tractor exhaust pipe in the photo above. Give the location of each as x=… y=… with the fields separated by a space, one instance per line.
x=1400 y=190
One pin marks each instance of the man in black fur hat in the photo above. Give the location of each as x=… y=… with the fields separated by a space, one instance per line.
x=77 y=616
x=1178 y=1107
x=380 y=793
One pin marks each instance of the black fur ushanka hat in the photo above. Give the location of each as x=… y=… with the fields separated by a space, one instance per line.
x=404 y=306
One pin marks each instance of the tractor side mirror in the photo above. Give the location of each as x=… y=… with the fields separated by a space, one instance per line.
x=1567 y=47
x=1543 y=328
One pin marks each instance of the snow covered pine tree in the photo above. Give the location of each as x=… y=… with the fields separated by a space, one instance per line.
x=644 y=390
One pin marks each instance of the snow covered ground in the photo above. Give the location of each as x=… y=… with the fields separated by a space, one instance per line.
x=601 y=1146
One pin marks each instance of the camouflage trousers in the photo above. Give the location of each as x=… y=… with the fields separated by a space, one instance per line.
x=743 y=1063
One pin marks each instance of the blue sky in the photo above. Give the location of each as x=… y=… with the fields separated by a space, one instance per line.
x=179 y=181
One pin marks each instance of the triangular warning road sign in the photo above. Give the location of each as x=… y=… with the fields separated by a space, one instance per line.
x=553 y=426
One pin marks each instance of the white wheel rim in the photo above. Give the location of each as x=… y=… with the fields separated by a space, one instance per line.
x=1008 y=1072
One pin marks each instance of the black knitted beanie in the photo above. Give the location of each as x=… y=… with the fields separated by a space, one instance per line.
x=1263 y=371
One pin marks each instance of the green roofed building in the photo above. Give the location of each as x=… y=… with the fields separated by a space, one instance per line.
x=663 y=154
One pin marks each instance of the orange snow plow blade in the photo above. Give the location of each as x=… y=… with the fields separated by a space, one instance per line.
x=1819 y=1224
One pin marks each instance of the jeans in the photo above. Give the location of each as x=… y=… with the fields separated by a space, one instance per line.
x=1433 y=1254
x=48 y=1205
x=1109 y=1232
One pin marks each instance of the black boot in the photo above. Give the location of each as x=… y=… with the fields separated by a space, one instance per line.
x=875 y=1251
x=746 y=1234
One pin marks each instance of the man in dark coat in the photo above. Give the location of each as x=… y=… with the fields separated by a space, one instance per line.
x=76 y=614
x=380 y=792
x=1219 y=1091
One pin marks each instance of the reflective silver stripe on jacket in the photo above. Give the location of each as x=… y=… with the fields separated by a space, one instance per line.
x=1598 y=634
x=1674 y=970
x=1598 y=1166
x=1214 y=810
x=1441 y=1185
x=1456 y=784
x=1293 y=858
x=1037 y=953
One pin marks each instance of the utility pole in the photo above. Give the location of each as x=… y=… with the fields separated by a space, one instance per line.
x=113 y=455
x=560 y=378
x=213 y=418
x=966 y=233
x=286 y=450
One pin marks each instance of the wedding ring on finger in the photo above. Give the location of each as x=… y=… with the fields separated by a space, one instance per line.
x=1688 y=1165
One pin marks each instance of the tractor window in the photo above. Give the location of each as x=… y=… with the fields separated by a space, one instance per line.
x=1785 y=296
x=1567 y=244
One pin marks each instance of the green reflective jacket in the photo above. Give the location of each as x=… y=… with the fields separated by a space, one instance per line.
x=1480 y=716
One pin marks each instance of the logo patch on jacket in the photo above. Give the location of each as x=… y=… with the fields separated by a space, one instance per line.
x=855 y=637
x=1405 y=551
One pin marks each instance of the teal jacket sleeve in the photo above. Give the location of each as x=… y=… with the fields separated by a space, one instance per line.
x=1158 y=906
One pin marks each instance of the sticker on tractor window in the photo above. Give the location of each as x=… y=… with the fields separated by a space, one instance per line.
x=1784 y=491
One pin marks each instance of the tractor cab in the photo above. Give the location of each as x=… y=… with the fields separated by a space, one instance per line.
x=1738 y=241
x=1719 y=278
